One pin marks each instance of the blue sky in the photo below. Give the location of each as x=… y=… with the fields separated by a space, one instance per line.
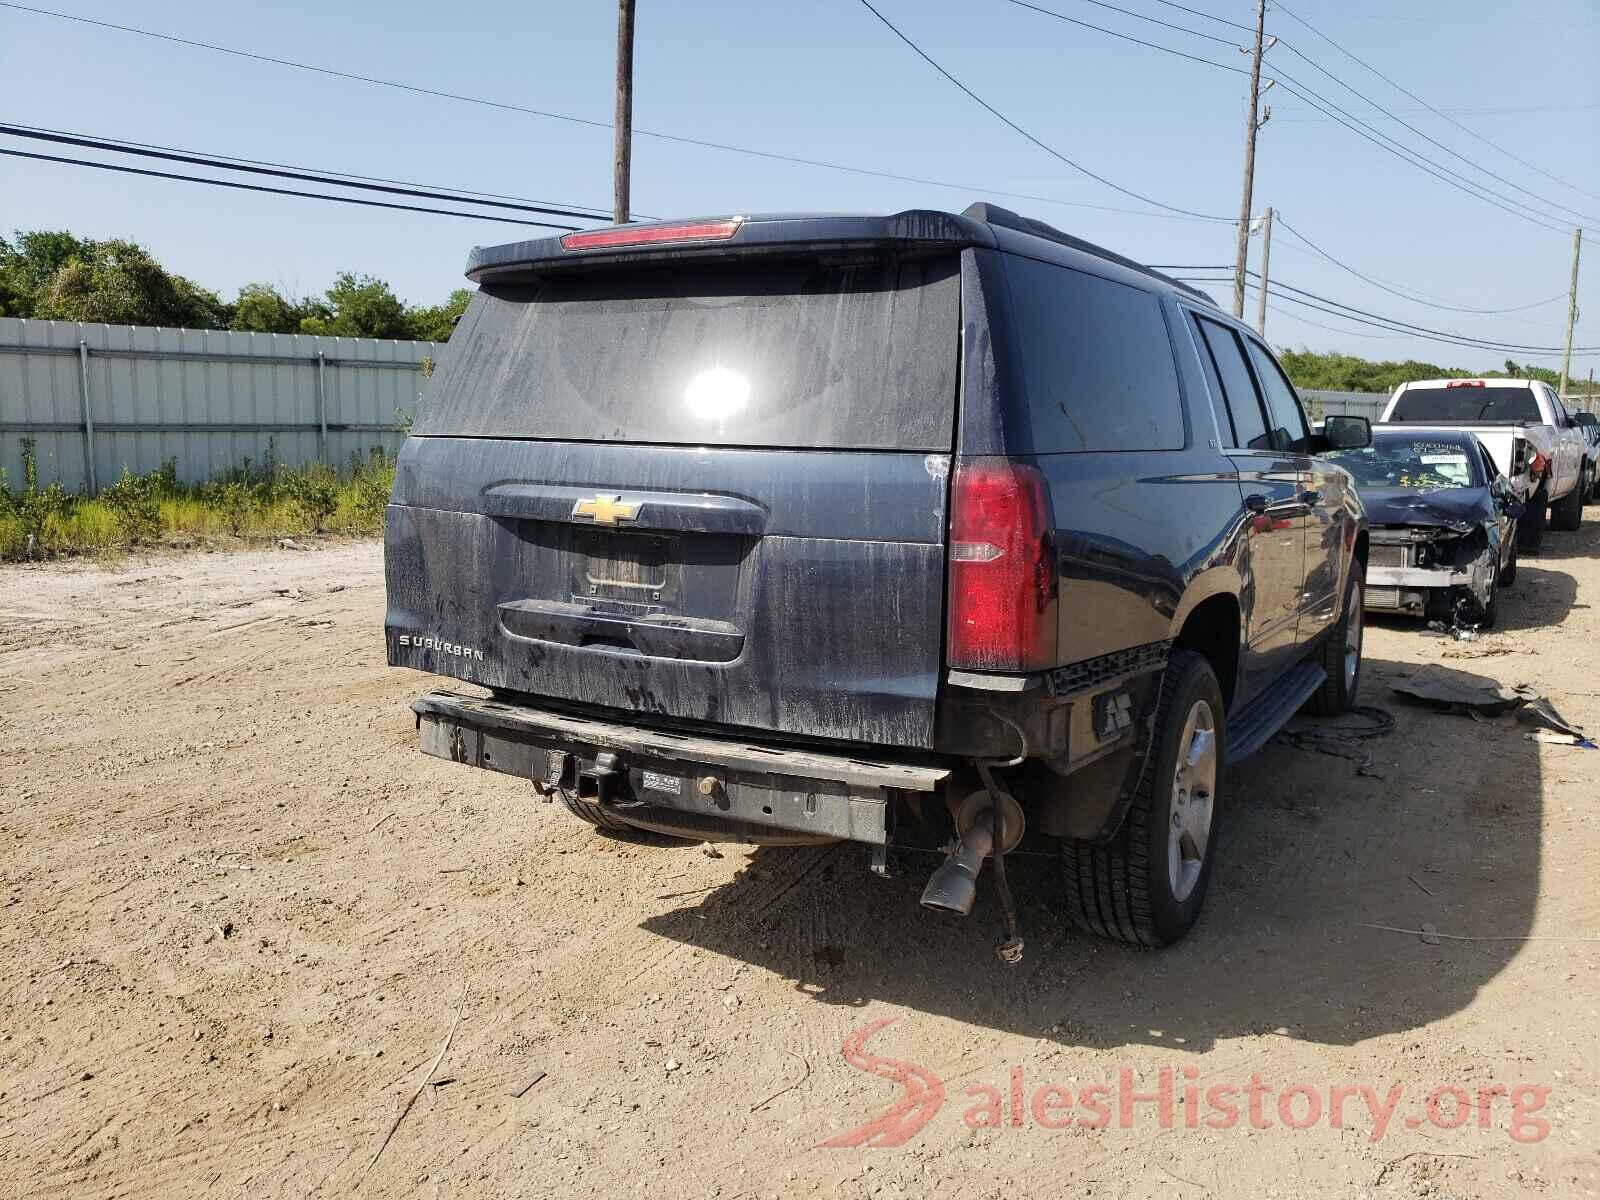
x=828 y=81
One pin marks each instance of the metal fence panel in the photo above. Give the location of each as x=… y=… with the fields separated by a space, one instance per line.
x=1322 y=403
x=209 y=399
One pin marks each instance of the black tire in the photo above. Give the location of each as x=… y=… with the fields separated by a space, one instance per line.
x=1124 y=890
x=1530 y=525
x=594 y=814
x=1337 y=695
x=1566 y=514
x=1508 y=573
x=1490 y=613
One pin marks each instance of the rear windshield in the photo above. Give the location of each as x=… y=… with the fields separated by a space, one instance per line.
x=1454 y=405
x=1404 y=462
x=761 y=354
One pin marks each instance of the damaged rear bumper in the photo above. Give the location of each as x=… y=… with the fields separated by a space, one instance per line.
x=721 y=789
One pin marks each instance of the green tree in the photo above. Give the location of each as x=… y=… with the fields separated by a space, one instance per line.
x=119 y=283
x=437 y=322
x=361 y=306
x=28 y=264
x=261 y=308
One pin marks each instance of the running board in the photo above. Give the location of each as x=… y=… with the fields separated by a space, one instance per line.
x=1251 y=726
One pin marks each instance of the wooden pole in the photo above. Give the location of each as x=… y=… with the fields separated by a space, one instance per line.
x=1266 y=261
x=623 y=128
x=1251 y=125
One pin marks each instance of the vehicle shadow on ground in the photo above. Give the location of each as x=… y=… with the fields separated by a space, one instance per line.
x=1541 y=595
x=1583 y=542
x=1311 y=852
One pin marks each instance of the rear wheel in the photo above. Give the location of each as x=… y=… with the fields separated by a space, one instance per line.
x=1530 y=525
x=1341 y=651
x=1147 y=884
x=1566 y=514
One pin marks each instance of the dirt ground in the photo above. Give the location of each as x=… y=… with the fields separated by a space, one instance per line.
x=240 y=916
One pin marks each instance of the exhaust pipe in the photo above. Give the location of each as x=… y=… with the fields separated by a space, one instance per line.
x=954 y=885
x=980 y=821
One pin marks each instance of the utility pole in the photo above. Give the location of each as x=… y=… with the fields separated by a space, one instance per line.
x=623 y=126
x=1572 y=309
x=1266 y=261
x=1251 y=125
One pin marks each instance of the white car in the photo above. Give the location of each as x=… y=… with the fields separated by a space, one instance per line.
x=1528 y=431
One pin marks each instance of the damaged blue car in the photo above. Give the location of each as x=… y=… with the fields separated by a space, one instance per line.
x=1443 y=524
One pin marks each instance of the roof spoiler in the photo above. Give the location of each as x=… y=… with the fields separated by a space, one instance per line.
x=993 y=214
x=915 y=231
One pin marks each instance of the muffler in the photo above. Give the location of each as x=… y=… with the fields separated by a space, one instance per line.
x=953 y=887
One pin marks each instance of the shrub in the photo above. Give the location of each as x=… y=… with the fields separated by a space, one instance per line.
x=314 y=493
x=135 y=504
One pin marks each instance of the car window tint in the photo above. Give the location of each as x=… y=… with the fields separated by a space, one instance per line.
x=1283 y=406
x=1096 y=360
x=756 y=352
x=1238 y=390
x=1466 y=402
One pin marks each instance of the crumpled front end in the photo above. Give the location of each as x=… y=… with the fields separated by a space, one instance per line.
x=1432 y=570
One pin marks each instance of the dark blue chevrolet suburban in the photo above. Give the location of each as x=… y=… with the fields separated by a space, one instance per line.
x=923 y=530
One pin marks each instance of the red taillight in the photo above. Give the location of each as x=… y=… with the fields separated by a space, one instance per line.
x=1002 y=568
x=651 y=235
x=1537 y=465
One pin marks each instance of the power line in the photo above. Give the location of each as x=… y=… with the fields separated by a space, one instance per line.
x=1384 y=142
x=1477 y=166
x=198 y=160
x=1195 y=12
x=1287 y=315
x=277 y=191
x=1436 y=111
x=1506 y=111
x=1305 y=58
x=1007 y=121
x=1128 y=12
x=1380 y=139
x=267 y=162
x=770 y=155
x=1337 y=308
x=1470 y=343
x=1295 y=233
x=1284 y=290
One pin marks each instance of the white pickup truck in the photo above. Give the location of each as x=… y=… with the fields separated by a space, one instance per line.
x=1527 y=430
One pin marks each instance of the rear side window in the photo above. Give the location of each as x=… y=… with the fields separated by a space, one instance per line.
x=1288 y=421
x=1096 y=361
x=1244 y=406
x=1466 y=404
x=765 y=353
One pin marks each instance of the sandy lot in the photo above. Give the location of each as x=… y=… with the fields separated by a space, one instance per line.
x=240 y=914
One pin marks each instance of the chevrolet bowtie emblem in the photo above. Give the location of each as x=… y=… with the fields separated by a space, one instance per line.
x=606 y=510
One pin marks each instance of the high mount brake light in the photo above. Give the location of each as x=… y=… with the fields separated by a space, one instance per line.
x=1003 y=586
x=652 y=235
x=1455 y=383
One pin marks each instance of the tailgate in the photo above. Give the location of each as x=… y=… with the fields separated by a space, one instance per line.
x=706 y=496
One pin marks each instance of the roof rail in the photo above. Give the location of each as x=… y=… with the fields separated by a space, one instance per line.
x=993 y=214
